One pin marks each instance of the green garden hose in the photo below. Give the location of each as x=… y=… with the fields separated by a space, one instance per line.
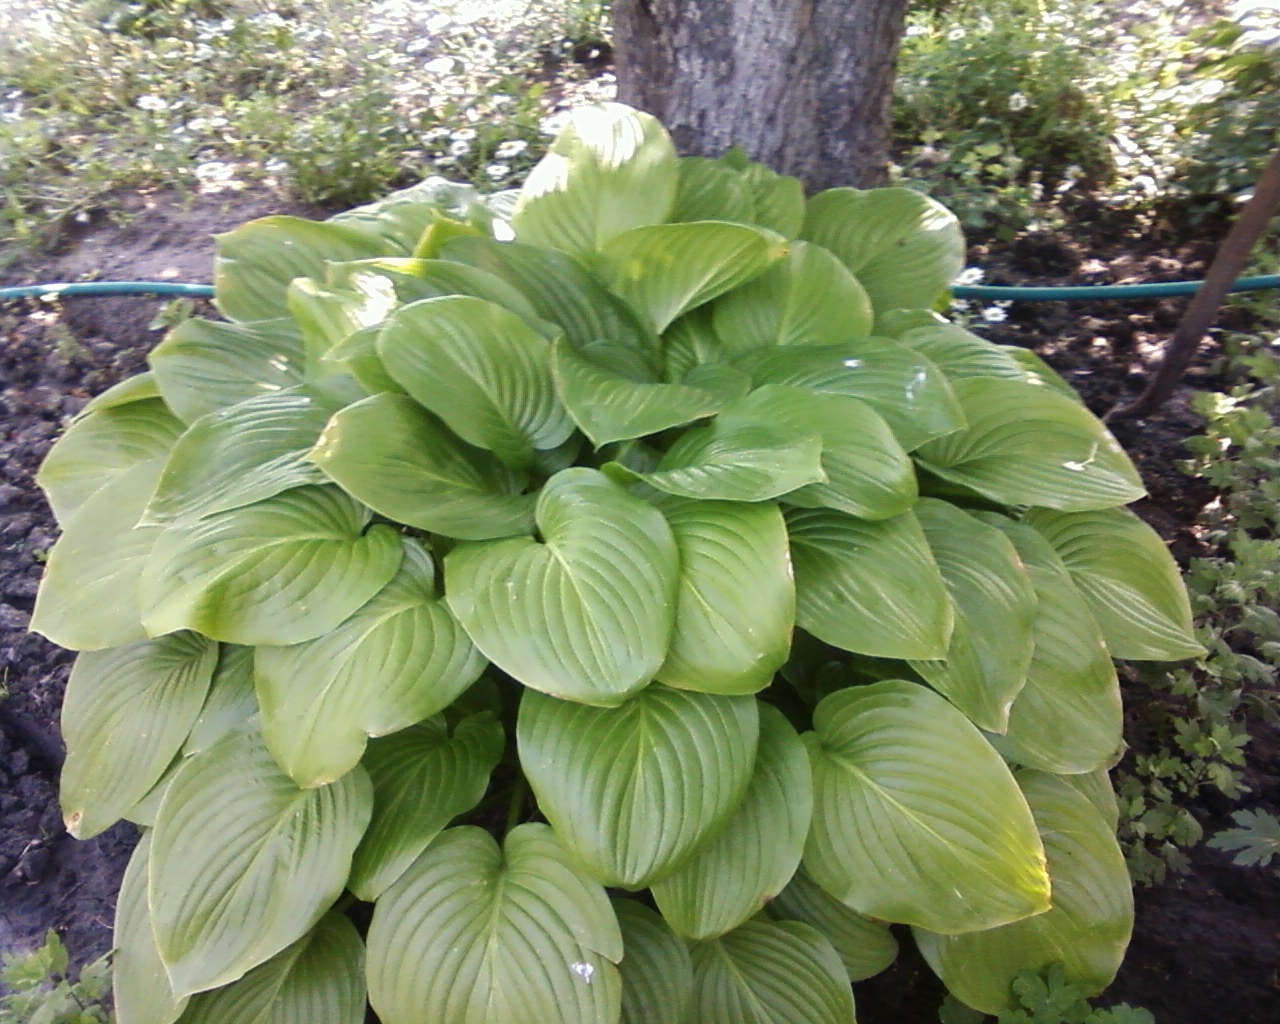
x=1072 y=293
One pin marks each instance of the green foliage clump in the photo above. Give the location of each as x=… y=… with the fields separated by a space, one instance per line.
x=35 y=988
x=644 y=532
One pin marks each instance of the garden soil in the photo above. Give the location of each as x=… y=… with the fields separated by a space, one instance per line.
x=1206 y=946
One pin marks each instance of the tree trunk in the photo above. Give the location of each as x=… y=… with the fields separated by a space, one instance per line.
x=802 y=85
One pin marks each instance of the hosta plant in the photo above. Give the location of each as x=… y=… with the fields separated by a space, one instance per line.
x=629 y=588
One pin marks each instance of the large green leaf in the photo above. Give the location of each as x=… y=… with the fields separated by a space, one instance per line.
x=1129 y=580
x=611 y=406
x=587 y=612
x=327 y=316
x=757 y=851
x=400 y=658
x=960 y=353
x=779 y=199
x=423 y=778
x=282 y=571
x=391 y=454
x=416 y=279
x=657 y=971
x=203 y=365
x=986 y=663
x=770 y=972
x=257 y=260
x=916 y=819
x=138 y=388
x=869 y=587
x=633 y=791
x=477 y=934
x=868 y=473
x=243 y=862
x=140 y=985
x=88 y=599
x=241 y=454
x=98 y=447
x=904 y=247
x=320 y=978
x=691 y=341
x=810 y=298
x=1027 y=445
x=708 y=190
x=609 y=170
x=1068 y=718
x=1087 y=929
x=866 y=947
x=736 y=606
x=230 y=701
x=482 y=370
x=127 y=712
x=905 y=388
x=668 y=269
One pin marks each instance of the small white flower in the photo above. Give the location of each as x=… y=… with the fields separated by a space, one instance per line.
x=510 y=149
x=463 y=134
x=994 y=315
x=418 y=45
x=1018 y=101
x=459 y=148
x=215 y=170
x=497 y=172
x=151 y=103
x=446 y=162
x=956 y=34
x=970 y=275
x=439 y=66
x=435 y=134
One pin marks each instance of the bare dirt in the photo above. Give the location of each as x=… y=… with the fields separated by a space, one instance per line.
x=1206 y=947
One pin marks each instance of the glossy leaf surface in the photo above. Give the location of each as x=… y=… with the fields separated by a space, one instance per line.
x=865 y=946
x=657 y=971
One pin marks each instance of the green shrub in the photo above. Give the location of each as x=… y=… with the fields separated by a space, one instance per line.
x=35 y=987
x=674 y=548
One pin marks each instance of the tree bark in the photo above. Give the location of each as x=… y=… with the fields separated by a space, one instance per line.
x=802 y=85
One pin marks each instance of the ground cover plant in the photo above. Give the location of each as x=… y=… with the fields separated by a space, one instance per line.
x=645 y=532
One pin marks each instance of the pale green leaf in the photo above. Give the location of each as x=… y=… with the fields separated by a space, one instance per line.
x=230 y=702
x=126 y=714
x=586 y=612
x=423 y=778
x=400 y=658
x=1087 y=929
x=317 y=980
x=691 y=341
x=327 y=316
x=416 y=279
x=779 y=199
x=708 y=190
x=657 y=971
x=735 y=608
x=904 y=247
x=770 y=972
x=1129 y=580
x=138 y=388
x=281 y=571
x=482 y=370
x=140 y=985
x=357 y=356
x=869 y=587
x=243 y=862
x=754 y=855
x=609 y=170
x=960 y=353
x=633 y=791
x=477 y=934
x=88 y=598
x=1027 y=445
x=985 y=666
x=916 y=819
x=866 y=947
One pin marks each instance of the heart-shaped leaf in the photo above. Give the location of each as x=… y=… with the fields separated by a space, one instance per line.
x=904 y=247
x=243 y=862
x=327 y=316
x=125 y=716
x=668 y=269
x=512 y=935
x=1128 y=579
x=231 y=700
x=319 y=977
x=88 y=598
x=609 y=170
x=282 y=571
x=1026 y=445
x=241 y=454
x=482 y=370
x=810 y=298
x=99 y=447
x=906 y=389
x=138 y=388
x=657 y=971
x=203 y=365
x=916 y=818
x=986 y=662
x=779 y=199
x=735 y=608
x=1087 y=929
x=960 y=353
x=140 y=985
x=869 y=587
x=755 y=854
x=708 y=190
x=400 y=658
x=392 y=455
x=866 y=947
x=633 y=791
x=586 y=613
x=423 y=778
x=770 y=972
